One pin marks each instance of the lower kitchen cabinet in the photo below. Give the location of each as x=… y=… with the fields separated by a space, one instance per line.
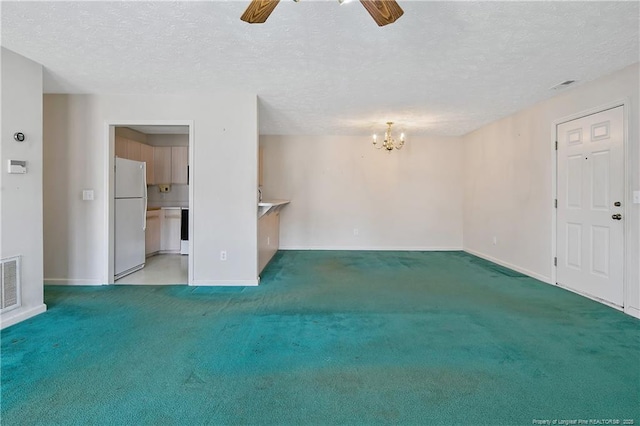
x=152 y=233
x=163 y=231
x=170 y=235
x=268 y=238
x=146 y=153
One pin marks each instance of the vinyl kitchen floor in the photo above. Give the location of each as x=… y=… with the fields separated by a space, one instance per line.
x=160 y=269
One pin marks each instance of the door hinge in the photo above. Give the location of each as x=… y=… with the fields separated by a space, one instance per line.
x=556 y=145
x=555 y=204
x=555 y=261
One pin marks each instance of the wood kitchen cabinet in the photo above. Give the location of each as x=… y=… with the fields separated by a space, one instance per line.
x=122 y=147
x=146 y=152
x=170 y=234
x=129 y=149
x=152 y=233
x=179 y=164
x=165 y=164
x=268 y=238
x=134 y=149
x=162 y=164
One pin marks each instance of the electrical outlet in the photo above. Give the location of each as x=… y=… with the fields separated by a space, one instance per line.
x=356 y=232
x=636 y=197
x=223 y=255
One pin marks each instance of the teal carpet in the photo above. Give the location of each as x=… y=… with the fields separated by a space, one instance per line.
x=327 y=338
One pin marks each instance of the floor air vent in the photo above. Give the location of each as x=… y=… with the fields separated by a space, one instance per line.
x=9 y=283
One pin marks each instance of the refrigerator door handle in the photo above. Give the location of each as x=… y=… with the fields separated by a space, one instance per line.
x=146 y=202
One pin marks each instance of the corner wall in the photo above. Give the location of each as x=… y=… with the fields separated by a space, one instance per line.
x=21 y=195
x=225 y=175
x=403 y=200
x=508 y=193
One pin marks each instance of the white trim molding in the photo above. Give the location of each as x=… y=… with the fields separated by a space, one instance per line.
x=225 y=283
x=18 y=315
x=634 y=312
x=588 y=296
x=516 y=268
x=74 y=282
x=368 y=248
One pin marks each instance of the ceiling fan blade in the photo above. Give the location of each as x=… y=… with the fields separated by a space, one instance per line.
x=383 y=11
x=258 y=11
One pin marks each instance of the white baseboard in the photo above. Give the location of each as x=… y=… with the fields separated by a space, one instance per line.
x=588 y=296
x=225 y=283
x=67 y=281
x=532 y=274
x=20 y=314
x=368 y=248
x=634 y=312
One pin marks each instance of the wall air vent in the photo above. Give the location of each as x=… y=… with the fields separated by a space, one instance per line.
x=9 y=283
x=563 y=85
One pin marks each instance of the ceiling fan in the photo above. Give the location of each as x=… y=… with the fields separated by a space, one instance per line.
x=382 y=11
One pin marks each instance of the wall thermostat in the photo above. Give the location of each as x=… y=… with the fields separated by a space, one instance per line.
x=19 y=137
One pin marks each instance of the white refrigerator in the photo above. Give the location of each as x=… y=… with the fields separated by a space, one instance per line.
x=130 y=216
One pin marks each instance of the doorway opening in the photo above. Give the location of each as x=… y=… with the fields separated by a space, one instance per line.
x=150 y=220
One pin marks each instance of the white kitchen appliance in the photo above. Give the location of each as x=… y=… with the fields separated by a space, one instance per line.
x=130 y=216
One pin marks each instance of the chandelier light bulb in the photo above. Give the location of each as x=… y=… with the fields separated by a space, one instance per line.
x=389 y=143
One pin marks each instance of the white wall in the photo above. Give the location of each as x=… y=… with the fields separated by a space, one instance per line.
x=21 y=195
x=224 y=183
x=508 y=181
x=409 y=199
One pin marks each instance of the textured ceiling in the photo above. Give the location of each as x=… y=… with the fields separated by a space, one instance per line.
x=444 y=68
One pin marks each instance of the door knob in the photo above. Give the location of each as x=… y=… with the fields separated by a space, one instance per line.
x=616 y=216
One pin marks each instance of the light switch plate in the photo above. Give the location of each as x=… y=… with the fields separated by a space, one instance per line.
x=636 y=197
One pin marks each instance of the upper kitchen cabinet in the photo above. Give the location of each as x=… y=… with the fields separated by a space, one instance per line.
x=179 y=164
x=134 y=150
x=129 y=149
x=122 y=147
x=146 y=154
x=162 y=160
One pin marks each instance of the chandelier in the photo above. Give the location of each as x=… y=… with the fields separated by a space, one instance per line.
x=389 y=142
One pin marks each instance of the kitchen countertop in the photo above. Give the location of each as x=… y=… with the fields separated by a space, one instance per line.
x=270 y=206
x=168 y=207
x=168 y=204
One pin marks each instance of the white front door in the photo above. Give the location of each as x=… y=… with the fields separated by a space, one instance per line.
x=590 y=230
